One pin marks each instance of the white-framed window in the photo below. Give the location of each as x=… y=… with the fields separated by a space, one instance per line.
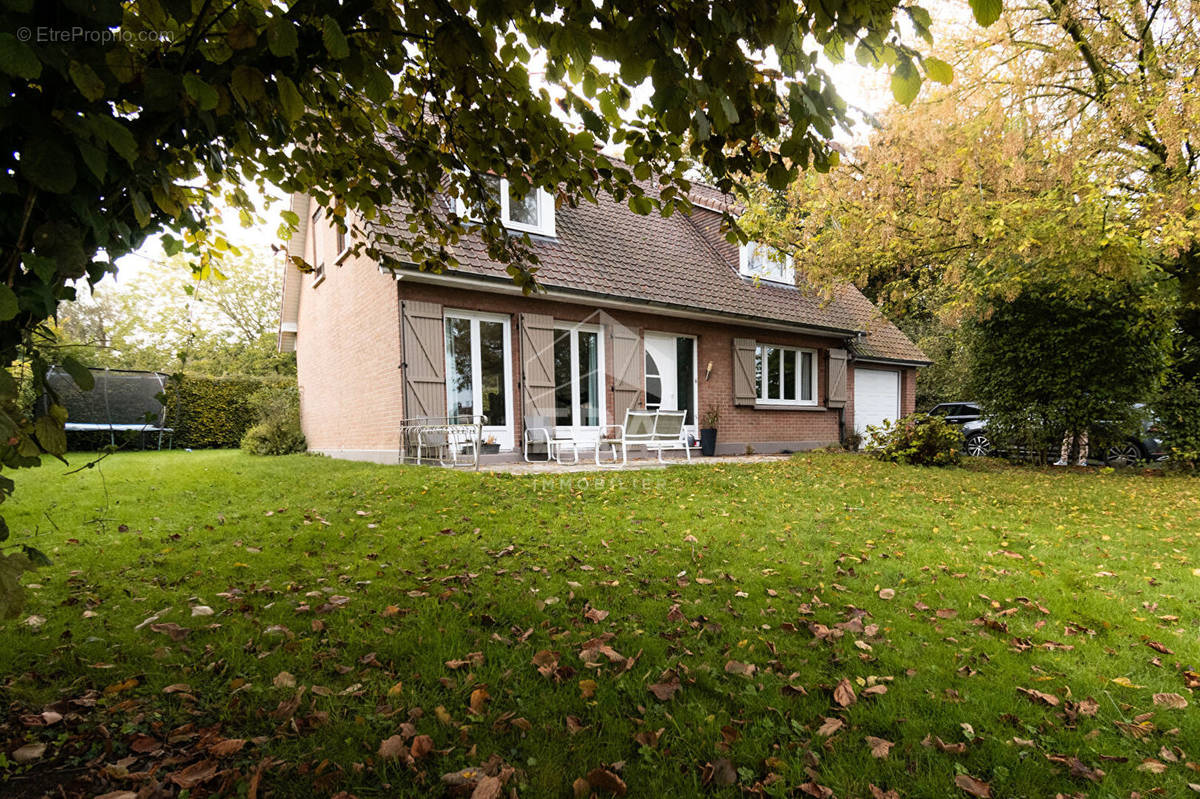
x=478 y=370
x=578 y=376
x=761 y=262
x=342 y=241
x=533 y=213
x=785 y=375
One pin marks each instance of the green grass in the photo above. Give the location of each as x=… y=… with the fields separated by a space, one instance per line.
x=1059 y=580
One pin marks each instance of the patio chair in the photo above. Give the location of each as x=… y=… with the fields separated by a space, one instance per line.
x=541 y=433
x=669 y=434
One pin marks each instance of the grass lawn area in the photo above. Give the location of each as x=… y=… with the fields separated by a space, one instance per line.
x=822 y=626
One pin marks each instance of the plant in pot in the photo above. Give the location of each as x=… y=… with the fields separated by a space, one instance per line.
x=490 y=447
x=708 y=431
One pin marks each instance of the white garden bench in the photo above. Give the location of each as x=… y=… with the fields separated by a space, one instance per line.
x=655 y=430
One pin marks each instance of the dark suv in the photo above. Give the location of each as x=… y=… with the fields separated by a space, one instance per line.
x=957 y=412
x=1123 y=451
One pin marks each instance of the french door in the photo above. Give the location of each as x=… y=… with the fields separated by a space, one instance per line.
x=478 y=372
x=578 y=379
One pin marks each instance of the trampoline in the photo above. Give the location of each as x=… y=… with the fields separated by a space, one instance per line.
x=122 y=401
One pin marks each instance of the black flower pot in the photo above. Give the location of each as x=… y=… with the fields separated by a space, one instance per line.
x=708 y=441
x=491 y=449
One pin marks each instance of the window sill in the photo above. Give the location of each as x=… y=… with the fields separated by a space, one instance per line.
x=318 y=280
x=787 y=406
x=341 y=256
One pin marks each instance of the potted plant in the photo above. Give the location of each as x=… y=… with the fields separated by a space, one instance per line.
x=490 y=447
x=708 y=431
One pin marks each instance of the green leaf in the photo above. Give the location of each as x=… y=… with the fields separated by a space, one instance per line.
x=986 y=11
x=334 y=39
x=290 y=99
x=281 y=37
x=79 y=373
x=938 y=70
x=117 y=136
x=8 y=303
x=17 y=58
x=731 y=112
x=86 y=80
x=248 y=83
x=95 y=158
x=640 y=204
x=206 y=96
x=701 y=125
x=12 y=593
x=906 y=82
x=48 y=165
x=50 y=435
x=141 y=208
x=171 y=245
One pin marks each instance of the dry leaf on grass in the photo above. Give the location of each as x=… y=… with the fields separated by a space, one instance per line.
x=587 y=688
x=605 y=780
x=879 y=747
x=830 y=726
x=977 y=788
x=737 y=667
x=488 y=788
x=195 y=774
x=392 y=747
x=879 y=793
x=595 y=615
x=29 y=753
x=1039 y=696
x=887 y=593
x=1173 y=701
x=421 y=746
x=843 y=694
x=284 y=680
x=667 y=688
x=479 y=698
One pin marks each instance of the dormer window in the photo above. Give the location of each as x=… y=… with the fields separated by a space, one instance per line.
x=533 y=213
x=760 y=262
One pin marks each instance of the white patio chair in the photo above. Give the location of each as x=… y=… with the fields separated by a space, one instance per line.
x=540 y=432
x=638 y=429
x=669 y=434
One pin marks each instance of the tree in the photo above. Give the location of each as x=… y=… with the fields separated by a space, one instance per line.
x=1054 y=359
x=164 y=319
x=125 y=130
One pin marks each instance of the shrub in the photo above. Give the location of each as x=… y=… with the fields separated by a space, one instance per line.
x=277 y=430
x=918 y=439
x=212 y=412
x=1178 y=411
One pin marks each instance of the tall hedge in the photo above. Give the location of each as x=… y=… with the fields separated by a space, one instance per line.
x=212 y=412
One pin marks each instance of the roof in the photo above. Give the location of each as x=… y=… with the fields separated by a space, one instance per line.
x=682 y=261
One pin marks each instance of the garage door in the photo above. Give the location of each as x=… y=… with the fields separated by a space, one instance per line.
x=876 y=397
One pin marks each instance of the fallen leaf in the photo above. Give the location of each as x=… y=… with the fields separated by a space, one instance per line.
x=575 y=725
x=177 y=688
x=830 y=726
x=887 y=593
x=421 y=746
x=392 y=747
x=227 y=747
x=488 y=788
x=975 y=787
x=201 y=610
x=195 y=774
x=29 y=753
x=666 y=689
x=587 y=688
x=595 y=615
x=879 y=746
x=284 y=680
x=879 y=793
x=1153 y=766
x=1039 y=696
x=744 y=669
x=479 y=698
x=1173 y=701
x=721 y=772
x=606 y=780
x=172 y=630
x=843 y=694
x=581 y=788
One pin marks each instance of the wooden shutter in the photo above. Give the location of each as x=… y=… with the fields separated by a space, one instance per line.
x=423 y=341
x=628 y=363
x=745 y=387
x=835 y=381
x=537 y=364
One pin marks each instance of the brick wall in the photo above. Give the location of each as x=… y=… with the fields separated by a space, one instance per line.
x=348 y=355
x=765 y=429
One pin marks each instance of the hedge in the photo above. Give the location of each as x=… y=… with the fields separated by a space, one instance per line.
x=212 y=412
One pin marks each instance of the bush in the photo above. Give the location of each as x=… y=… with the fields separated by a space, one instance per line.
x=277 y=431
x=918 y=440
x=212 y=412
x=1178 y=412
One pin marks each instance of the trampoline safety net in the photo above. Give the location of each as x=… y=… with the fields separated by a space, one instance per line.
x=122 y=400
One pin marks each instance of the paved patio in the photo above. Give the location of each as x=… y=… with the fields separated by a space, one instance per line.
x=588 y=464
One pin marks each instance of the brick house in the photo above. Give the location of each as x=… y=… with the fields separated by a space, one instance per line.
x=639 y=311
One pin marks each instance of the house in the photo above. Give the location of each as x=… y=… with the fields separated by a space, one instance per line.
x=638 y=311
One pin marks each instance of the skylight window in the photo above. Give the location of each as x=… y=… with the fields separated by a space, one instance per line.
x=761 y=262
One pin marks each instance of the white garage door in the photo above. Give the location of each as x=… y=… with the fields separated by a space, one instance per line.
x=876 y=397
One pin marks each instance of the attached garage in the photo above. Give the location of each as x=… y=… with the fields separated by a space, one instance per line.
x=876 y=397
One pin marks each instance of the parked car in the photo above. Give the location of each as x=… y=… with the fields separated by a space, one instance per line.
x=1124 y=451
x=957 y=412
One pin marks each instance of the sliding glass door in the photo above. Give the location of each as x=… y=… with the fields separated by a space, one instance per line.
x=478 y=372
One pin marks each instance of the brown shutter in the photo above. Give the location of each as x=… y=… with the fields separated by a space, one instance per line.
x=537 y=364
x=628 y=364
x=423 y=339
x=835 y=394
x=745 y=387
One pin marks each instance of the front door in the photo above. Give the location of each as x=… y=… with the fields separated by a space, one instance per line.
x=671 y=375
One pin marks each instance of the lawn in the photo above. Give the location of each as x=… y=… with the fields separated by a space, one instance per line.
x=821 y=626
